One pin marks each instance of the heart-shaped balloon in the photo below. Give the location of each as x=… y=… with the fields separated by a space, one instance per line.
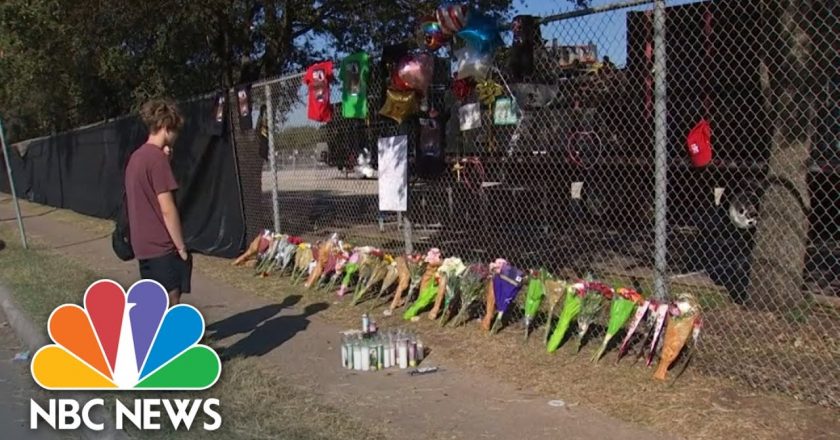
x=416 y=71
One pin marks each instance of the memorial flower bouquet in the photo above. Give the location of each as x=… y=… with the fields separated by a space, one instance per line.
x=340 y=262
x=596 y=296
x=391 y=275
x=506 y=285
x=303 y=256
x=371 y=272
x=429 y=284
x=684 y=320
x=351 y=269
x=623 y=304
x=490 y=297
x=450 y=275
x=473 y=283
x=554 y=290
x=534 y=296
x=368 y=268
x=571 y=308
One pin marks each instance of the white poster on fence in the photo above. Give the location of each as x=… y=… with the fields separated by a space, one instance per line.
x=393 y=173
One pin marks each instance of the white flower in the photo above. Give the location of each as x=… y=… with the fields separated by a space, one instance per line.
x=452 y=266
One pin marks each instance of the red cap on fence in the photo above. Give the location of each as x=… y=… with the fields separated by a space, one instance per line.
x=699 y=144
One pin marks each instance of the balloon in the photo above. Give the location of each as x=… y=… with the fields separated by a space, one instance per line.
x=462 y=88
x=452 y=18
x=481 y=33
x=416 y=71
x=431 y=34
x=472 y=64
x=397 y=83
x=399 y=105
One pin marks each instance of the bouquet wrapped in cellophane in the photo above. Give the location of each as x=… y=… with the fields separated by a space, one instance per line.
x=324 y=257
x=429 y=284
x=287 y=254
x=472 y=285
x=573 y=300
x=596 y=296
x=265 y=260
x=391 y=275
x=378 y=262
x=637 y=321
x=404 y=280
x=623 y=304
x=684 y=320
x=449 y=272
x=506 y=285
x=554 y=290
x=490 y=297
x=534 y=296
x=338 y=272
x=303 y=256
x=351 y=269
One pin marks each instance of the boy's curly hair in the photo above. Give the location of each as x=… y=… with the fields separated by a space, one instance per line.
x=158 y=114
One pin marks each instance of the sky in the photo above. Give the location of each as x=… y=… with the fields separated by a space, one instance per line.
x=606 y=30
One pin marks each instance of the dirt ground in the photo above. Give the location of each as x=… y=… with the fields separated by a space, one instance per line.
x=697 y=406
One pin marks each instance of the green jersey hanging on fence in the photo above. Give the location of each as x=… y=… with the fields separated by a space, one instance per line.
x=355 y=70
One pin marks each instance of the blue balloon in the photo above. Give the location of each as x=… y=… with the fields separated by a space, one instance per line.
x=481 y=33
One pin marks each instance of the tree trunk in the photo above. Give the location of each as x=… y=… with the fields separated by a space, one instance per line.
x=790 y=87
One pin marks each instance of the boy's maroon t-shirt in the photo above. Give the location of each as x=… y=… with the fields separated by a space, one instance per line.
x=148 y=174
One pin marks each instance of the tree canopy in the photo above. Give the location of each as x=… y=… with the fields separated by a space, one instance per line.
x=64 y=63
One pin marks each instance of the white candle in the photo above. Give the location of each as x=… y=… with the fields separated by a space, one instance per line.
x=365 y=357
x=393 y=352
x=403 y=354
x=357 y=357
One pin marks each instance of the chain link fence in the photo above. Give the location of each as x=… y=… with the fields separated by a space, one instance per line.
x=572 y=186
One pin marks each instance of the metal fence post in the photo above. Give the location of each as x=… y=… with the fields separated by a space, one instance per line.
x=12 y=187
x=660 y=272
x=272 y=158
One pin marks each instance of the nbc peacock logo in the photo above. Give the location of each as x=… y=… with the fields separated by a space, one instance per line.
x=122 y=341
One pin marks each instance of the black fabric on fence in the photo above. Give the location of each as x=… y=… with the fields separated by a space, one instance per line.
x=82 y=170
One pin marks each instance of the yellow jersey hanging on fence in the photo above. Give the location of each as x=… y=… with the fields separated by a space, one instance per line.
x=355 y=70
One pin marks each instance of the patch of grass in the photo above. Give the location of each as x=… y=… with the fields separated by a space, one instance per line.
x=39 y=278
x=255 y=402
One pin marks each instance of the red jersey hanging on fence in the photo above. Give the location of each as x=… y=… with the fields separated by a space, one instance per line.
x=317 y=78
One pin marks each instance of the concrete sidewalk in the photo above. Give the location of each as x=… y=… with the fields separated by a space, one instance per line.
x=302 y=346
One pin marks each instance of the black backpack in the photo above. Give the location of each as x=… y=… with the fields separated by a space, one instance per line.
x=121 y=237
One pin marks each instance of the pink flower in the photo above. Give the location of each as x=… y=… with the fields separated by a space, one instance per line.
x=496 y=266
x=434 y=256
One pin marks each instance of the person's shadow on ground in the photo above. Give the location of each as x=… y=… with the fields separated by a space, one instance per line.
x=272 y=334
x=246 y=322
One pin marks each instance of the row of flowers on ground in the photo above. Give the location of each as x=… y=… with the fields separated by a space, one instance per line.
x=451 y=291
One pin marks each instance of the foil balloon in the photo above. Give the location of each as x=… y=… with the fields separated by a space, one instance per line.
x=397 y=83
x=472 y=63
x=431 y=33
x=399 y=105
x=462 y=88
x=452 y=17
x=416 y=71
x=481 y=33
